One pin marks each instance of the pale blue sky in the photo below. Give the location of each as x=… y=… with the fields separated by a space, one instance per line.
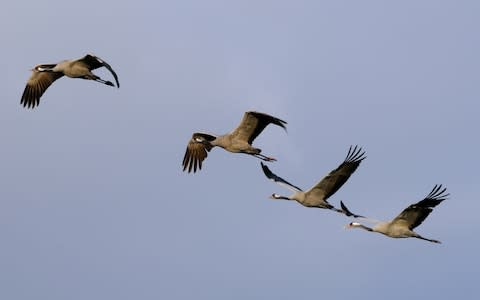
x=94 y=204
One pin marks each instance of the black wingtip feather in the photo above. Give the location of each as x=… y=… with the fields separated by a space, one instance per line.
x=347 y=212
x=438 y=193
x=355 y=154
x=266 y=170
x=270 y=175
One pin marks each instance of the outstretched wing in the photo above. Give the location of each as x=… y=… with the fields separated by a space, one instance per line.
x=416 y=213
x=330 y=184
x=37 y=84
x=94 y=62
x=270 y=175
x=197 y=151
x=253 y=123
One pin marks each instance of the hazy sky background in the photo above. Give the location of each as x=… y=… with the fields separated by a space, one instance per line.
x=94 y=203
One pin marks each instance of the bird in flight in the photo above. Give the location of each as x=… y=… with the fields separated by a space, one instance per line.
x=317 y=196
x=411 y=217
x=44 y=75
x=238 y=141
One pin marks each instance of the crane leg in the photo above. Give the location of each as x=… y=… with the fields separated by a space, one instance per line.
x=98 y=79
x=264 y=158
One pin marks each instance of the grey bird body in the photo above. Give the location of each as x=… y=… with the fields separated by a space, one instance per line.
x=317 y=195
x=238 y=141
x=44 y=75
x=402 y=226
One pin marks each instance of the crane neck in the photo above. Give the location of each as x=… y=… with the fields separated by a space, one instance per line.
x=279 y=197
x=358 y=225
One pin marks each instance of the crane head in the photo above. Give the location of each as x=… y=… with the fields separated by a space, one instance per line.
x=352 y=225
x=278 y=197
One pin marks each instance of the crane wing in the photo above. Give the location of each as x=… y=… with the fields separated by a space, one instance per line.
x=253 y=123
x=94 y=62
x=197 y=150
x=330 y=184
x=270 y=175
x=37 y=84
x=347 y=212
x=416 y=213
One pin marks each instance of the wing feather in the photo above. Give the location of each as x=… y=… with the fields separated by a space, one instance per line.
x=331 y=183
x=37 y=84
x=347 y=212
x=253 y=123
x=94 y=62
x=416 y=213
x=270 y=175
x=196 y=152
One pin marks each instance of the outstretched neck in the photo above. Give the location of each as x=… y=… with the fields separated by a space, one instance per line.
x=279 y=197
x=358 y=225
x=366 y=227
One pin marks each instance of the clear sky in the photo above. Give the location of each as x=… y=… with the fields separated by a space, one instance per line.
x=94 y=203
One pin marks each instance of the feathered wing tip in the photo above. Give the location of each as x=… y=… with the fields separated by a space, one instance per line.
x=347 y=212
x=280 y=122
x=355 y=155
x=196 y=152
x=30 y=97
x=95 y=62
x=190 y=162
x=438 y=193
x=193 y=158
x=434 y=198
x=106 y=65
x=269 y=119
x=270 y=175
x=37 y=84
